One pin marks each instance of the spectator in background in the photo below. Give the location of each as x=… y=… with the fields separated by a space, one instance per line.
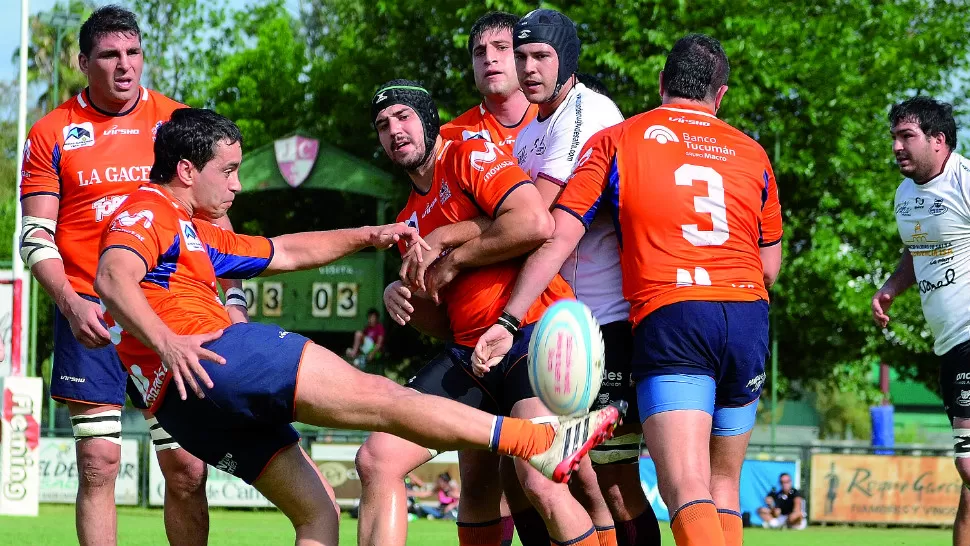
x=367 y=342
x=784 y=507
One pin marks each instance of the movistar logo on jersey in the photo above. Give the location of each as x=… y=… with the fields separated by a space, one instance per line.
x=78 y=135
x=479 y=158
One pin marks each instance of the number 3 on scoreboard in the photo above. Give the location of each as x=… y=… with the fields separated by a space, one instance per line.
x=713 y=204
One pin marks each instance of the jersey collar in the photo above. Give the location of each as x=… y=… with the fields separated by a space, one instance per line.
x=689 y=109
x=84 y=98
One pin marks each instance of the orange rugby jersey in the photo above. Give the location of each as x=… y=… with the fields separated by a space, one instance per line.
x=473 y=178
x=183 y=257
x=91 y=160
x=478 y=122
x=693 y=199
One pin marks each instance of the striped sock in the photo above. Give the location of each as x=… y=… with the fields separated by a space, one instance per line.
x=488 y=533
x=696 y=524
x=731 y=527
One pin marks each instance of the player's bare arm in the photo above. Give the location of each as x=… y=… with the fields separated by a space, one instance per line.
x=771 y=263
x=537 y=272
x=416 y=260
x=549 y=189
x=897 y=283
x=521 y=224
x=118 y=279
x=39 y=251
x=297 y=251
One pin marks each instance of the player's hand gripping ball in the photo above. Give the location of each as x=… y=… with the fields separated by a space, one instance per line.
x=566 y=355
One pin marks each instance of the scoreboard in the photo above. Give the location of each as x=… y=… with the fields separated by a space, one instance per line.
x=332 y=298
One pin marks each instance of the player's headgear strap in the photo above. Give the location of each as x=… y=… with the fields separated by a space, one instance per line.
x=546 y=26
x=415 y=97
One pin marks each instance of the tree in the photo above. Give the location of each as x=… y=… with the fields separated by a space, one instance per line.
x=180 y=38
x=42 y=57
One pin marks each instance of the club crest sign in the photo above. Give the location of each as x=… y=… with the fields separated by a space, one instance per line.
x=295 y=156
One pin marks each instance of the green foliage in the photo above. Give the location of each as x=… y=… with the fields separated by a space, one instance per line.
x=43 y=57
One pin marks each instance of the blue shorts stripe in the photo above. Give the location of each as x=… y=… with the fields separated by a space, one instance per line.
x=660 y=393
x=734 y=421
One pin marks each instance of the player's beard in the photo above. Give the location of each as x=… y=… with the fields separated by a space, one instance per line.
x=413 y=160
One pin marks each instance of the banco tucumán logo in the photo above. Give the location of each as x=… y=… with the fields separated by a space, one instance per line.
x=78 y=135
x=660 y=133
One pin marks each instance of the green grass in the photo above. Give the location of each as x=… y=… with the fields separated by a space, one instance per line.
x=143 y=527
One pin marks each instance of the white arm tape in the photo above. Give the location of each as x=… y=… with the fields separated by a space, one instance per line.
x=34 y=249
x=236 y=296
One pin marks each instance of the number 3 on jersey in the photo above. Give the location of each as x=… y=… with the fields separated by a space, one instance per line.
x=713 y=204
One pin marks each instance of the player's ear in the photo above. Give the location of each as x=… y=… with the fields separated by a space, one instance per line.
x=718 y=97
x=661 y=84
x=82 y=62
x=185 y=171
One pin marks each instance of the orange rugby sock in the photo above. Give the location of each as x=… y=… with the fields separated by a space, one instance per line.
x=487 y=533
x=606 y=536
x=586 y=539
x=696 y=524
x=520 y=437
x=731 y=527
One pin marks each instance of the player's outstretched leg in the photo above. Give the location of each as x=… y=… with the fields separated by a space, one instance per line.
x=97 y=431
x=332 y=393
x=294 y=484
x=678 y=442
x=186 y=506
x=383 y=462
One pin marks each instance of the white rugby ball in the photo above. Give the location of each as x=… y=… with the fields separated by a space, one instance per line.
x=566 y=355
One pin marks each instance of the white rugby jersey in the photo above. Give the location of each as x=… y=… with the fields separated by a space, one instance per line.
x=934 y=224
x=551 y=147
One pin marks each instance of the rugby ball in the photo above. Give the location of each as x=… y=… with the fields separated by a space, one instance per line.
x=566 y=355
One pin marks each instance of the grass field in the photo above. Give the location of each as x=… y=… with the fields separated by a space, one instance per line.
x=143 y=527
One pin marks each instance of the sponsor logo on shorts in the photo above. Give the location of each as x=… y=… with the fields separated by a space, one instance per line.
x=227 y=464
x=78 y=135
x=755 y=384
x=962 y=378
x=73 y=379
x=283 y=333
x=963 y=399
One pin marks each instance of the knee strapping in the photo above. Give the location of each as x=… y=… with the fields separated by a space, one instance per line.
x=104 y=425
x=161 y=439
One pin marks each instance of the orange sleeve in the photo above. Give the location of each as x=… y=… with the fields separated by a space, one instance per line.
x=143 y=229
x=42 y=163
x=235 y=256
x=487 y=173
x=771 y=228
x=592 y=178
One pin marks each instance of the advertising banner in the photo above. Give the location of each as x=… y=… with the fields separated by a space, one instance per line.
x=221 y=489
x=19 y=445
x=59 y=472
x=336 y=463
x=757 y=479
x=884 y=489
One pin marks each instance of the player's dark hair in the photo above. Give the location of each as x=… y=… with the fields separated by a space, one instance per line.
x=373 y=311
x=106 y=20
x=932 y=116
x=493 y=20
x=696 y=68
x=783 y=474
x=593 y=83
x=191 y=134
